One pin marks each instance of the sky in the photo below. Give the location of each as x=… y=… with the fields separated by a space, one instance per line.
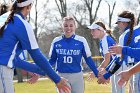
x=102 y=13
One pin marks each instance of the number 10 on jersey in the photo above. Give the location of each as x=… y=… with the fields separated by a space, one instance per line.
x=67 y=59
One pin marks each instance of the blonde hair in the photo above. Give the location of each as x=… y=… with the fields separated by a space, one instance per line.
x=70 y=18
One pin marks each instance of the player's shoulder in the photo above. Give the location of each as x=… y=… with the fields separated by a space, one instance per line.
x=137 y=29
x=110 y=39
x=56 y=39
x=80 y=38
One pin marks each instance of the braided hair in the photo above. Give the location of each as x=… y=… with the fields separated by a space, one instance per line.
x=14 y=9
x=130 y=15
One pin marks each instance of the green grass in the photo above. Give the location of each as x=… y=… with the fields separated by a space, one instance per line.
x=46 y=86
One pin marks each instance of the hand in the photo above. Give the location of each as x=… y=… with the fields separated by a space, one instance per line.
x=34 y=78
x=102 y=80
x=90 y=76
x=101 y=71
x=63 y=86
x=124 y=77
x=116 y=49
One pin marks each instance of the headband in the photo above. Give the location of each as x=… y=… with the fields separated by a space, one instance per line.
x=25 y=3
x=95 y=26
x=121 y=19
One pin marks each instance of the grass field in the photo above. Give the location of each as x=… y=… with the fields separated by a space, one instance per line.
x=46 y=86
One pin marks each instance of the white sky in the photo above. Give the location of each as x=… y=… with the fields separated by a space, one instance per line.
x=102 y=13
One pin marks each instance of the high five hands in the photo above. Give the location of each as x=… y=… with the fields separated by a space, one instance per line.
x=101 y=79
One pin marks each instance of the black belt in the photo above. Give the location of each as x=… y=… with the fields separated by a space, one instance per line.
x=130 y=64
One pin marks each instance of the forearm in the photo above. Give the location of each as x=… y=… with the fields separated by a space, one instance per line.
x=116 y=64
x=104 y=64
x=42 y=62
x=28 y=66
x=134 y=69
x=106 y=60
x=92 y=65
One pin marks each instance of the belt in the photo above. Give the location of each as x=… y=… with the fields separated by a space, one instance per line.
x=130 y=64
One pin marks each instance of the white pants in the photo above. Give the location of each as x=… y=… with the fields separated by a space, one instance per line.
x=114 y=80
x=135 y=82
x=6 y=80
x=76 y=81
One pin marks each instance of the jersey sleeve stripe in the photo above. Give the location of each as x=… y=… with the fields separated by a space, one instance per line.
x=30 y=33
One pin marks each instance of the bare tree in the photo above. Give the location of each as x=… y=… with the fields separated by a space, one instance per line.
x=133 y=6
x=62 y=7
x=89 y=4
x=36 y=19
x=111 y=12
x=84 y=14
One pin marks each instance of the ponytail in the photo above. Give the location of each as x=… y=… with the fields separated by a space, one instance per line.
x=130 y=15
x=13 y=10
x=132 y=22
x=110 y=34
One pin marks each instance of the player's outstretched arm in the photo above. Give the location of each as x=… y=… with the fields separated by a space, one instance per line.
x=125 y=75
x=28 y=66
x=43 y=63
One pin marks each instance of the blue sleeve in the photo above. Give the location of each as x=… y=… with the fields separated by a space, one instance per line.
x=91 y=65
x=87 y=56
x=108 y=74
x=133 y=52
x=108 y=66
x=28 y=66
x=52 y=55
x=42 y=62
x=24 y=33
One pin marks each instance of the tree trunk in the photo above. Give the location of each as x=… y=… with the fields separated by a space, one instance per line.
x=19 y=75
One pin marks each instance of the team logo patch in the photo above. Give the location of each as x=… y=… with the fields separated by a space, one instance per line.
x=58 y=45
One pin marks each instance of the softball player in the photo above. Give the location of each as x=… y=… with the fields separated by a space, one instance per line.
x=17 y=31
x=23 y=64
x=67 y=50
x=133 y=52
x=98 y=30
x=130 y=37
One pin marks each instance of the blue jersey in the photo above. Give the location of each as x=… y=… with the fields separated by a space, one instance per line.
x=68 y=53
x=129 y=54
x=19 y=32
x=105 y=43
x=18 y=36
x=134 y=43
x=133 y=52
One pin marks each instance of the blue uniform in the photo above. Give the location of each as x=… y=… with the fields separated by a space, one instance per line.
x=133 y=52
x=105 y=43
x=129 y=60
x=20 y=33
x=68 y=53
x=135 y=43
